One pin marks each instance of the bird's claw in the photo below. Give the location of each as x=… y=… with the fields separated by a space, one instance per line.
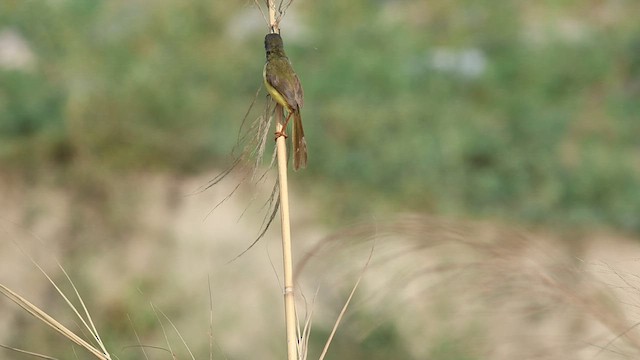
x=279 y=134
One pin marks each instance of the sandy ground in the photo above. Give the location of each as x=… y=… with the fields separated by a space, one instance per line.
x=496 y=291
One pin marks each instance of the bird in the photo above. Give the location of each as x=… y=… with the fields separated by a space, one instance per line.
x=283 y=84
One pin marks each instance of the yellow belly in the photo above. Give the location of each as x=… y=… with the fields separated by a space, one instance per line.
x=273 y=92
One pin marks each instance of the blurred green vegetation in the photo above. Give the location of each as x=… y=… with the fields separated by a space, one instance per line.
x=546 y=132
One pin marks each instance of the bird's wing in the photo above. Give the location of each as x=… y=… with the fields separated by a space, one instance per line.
x=287 y=83
x=299 y=94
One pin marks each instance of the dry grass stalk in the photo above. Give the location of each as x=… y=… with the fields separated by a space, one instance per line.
x=287 y=257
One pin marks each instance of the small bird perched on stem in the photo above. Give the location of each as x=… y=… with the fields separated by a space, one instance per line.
x=283 y=85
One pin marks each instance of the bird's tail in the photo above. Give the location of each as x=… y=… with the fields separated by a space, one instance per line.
x=299 y=143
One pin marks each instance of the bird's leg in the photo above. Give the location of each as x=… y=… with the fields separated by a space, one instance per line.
x=284 y=127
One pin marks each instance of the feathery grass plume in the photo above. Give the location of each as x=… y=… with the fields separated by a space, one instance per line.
x=512 y=293
x=247 y=155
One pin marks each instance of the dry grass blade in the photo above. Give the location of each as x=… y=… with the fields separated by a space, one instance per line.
x=152 y=347
x=344 y=308
x=212 y=340
x=607 y=346
x=156 y=310
x=91 y=325
x=303 y=349
x=51 y=322
x=210 y=320
x=137 y=337
x=184 y=342
x=30 y=353
x=282 y=9
x=88 y=322
x=264 y=16
x=164 y=332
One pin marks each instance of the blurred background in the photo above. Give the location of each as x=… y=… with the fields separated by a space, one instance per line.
x=479 y=117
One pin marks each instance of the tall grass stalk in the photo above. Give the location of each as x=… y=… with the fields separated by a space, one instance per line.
x=287 y=258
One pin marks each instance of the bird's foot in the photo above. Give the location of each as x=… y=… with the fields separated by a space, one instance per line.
x=279 y=134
